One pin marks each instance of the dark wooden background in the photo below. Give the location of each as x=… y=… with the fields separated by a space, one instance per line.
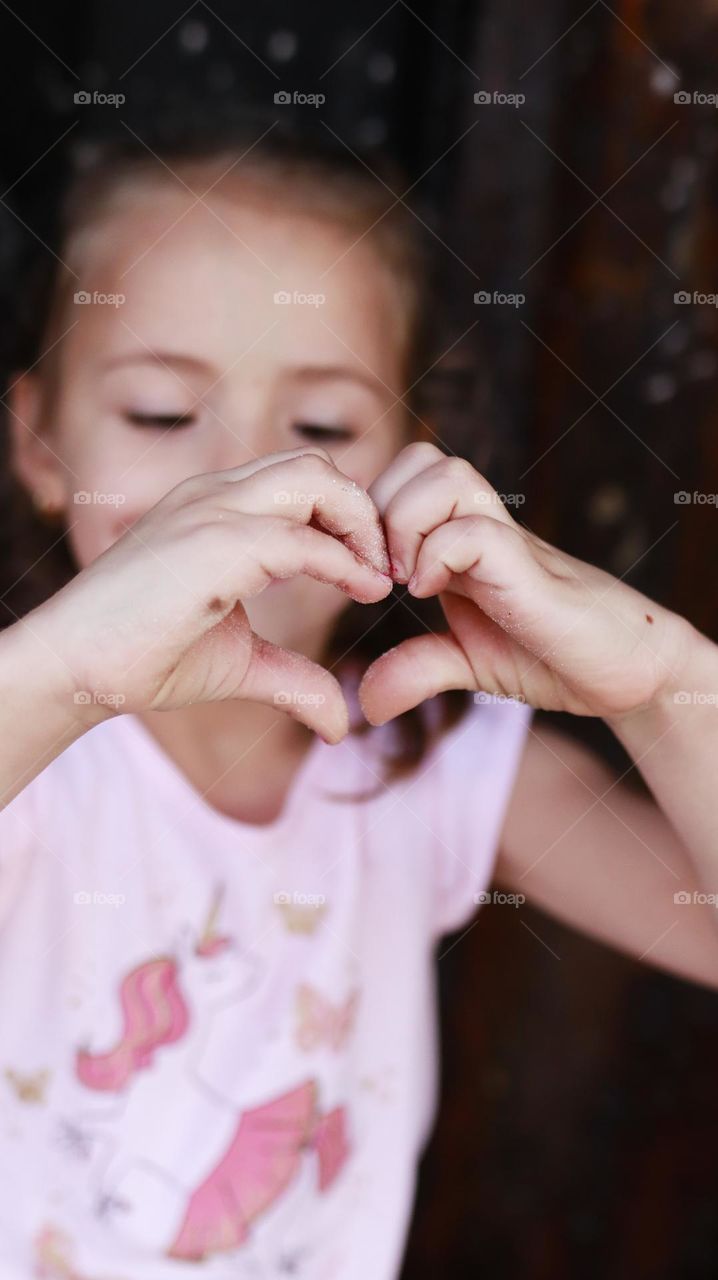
x=579 y=1125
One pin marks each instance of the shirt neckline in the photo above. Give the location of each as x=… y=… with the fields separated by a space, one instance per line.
x=258 y=832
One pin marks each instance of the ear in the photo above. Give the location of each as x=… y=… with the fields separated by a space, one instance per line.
x=32 y=460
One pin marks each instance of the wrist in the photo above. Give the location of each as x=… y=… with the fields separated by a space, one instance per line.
x=690 y=685
x=34 y=676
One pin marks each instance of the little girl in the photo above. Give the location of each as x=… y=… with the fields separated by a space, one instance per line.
x=247 y=783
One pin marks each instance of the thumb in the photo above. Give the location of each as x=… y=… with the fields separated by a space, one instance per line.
x=291 y=682
x=414 y=670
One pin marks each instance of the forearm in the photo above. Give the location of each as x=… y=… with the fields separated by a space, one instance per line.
x=674 y=744
x=38 y=715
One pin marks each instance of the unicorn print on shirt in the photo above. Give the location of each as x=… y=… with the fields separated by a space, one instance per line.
x=249 y=1155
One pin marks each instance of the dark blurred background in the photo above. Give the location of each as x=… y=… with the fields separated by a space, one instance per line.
x=578 y=1127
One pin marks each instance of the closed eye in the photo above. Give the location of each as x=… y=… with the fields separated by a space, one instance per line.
x=320 y=431
x=160 y=420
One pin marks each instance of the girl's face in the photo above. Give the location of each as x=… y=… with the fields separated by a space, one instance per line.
x=205 y=338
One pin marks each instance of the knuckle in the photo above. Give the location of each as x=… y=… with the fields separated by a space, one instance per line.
x=497 y=533
x=458 y=470
x=312 y=469
x=489 y=525
x=188 y=489
x=423 y=450
x=488 y=529
x=216 y=539
x=307 y=458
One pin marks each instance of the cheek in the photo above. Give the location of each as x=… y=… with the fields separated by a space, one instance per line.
x=101 y=510
x=101 y=507
x=134 y=468
x=111 y=483
x=93 y=525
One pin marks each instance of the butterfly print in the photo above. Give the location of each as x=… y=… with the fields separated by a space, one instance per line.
x=26 y=1086
x=319 y=1022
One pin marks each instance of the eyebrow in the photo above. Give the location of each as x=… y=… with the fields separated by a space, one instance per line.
x=337 y=372
x=303 y=373
x=172 y=359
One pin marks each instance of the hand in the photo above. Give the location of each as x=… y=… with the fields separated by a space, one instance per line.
x=524 y=619
x=156 y=621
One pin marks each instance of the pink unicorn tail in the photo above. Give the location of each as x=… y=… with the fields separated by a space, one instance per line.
x=154 y=1013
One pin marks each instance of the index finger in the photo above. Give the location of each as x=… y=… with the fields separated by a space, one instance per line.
x=307 y=486
x=422 y=489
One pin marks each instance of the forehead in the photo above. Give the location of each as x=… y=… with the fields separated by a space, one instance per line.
x=219 y=277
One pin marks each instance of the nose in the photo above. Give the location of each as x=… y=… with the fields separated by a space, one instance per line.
x=235 y=440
